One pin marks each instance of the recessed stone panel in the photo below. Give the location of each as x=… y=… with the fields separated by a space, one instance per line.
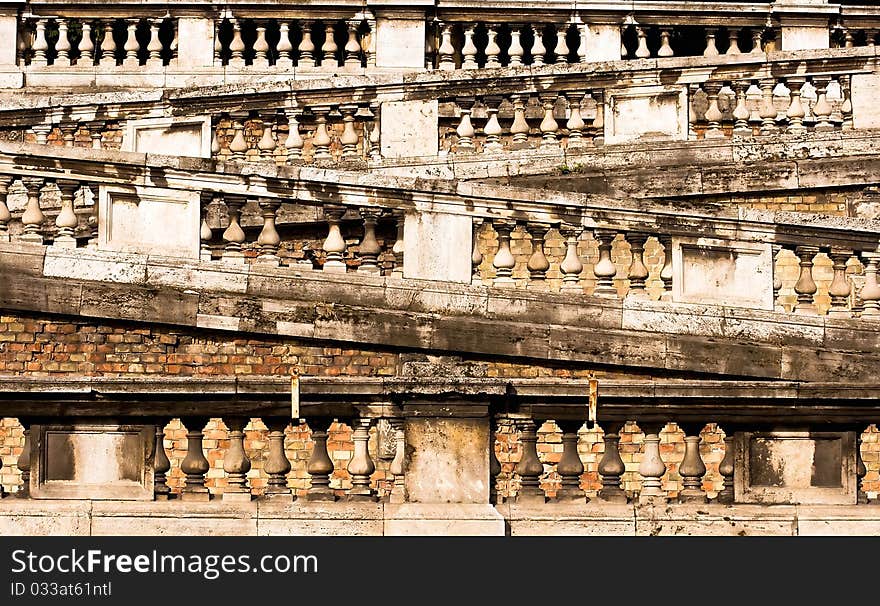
x=648 y=113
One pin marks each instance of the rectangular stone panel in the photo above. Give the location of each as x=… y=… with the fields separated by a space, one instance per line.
x=722 y=272
x=647 y=113
x=408 y=129
x=795 y=467
x=185 y=136
x=92 y=461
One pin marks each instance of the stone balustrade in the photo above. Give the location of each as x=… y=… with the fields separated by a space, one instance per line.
x=645 y=41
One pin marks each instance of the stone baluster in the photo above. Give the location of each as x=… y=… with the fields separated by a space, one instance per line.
x=795 y=112
x=570 y=467
x=268 y=241
x=538 y=263
x=320 y=465
x=693 y=119
x=493 y=51
x=757 y=47
x=321 y=140
x=206 y=234
x=173 y=45
x=131 y=46
x=741 y=112
x=33 y=218
x=666 y=271
x=5 y=215
x=161 y=465
x=870 y=294
x=493 y=128
x=822 y=108
x=538 y=50
x=352 y=46
x=692 y=469
x=92 y=192
x=476 y=255
x=238 y=146
x=665 y=49
x=349 y=138
x=108 y=44
x=334 y=244
x=561 y=50
x=236 y=45
x=96 y=133
x=598 y=126
x=611 y=466
x=399 y=246
x=369 y=249
x=68 y=133
x=236 y=463
x=306 y=47
x=726 y=468
x=233 y=235
x=571 y=266
x=846 y=103
x=805 y=287
x=713 y=113
x=652 y=467
x=277 y=466
x=755 y=111
x=397 y=468
x=66 y=220
x=284 y=47
x=267 y=145
x=446 y=51
x=575 y=124
x=548 y=125
x=733 y=41
x=24 y=461
x=840 y=289
x=62 y=45
x=465 y=129
x=638 y=272
x=329 y=49
x=194 y=464
x=494 y=464
x=777 y=277
x=516 y=50
x=768 y=109
x=218 y=45
x=261 y=47
x=642 y=51
x=216 y=146
x=86 y=46
x=711 y=49
x=294 y=142
x=529 y=467
x=361 y=466
x=861 y=470
x=154 y=46
x=375 y=133
x=519 y=130
x=604 y=270
x=503 y=261
x=469 y=49
x=40 y=47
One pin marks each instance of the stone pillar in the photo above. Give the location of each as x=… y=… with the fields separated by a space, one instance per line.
x=726 y=468
x=269 y=240
x=503 y=261
x=329 y=49
x=233 y=235
x=320 y=465
x=349 y=138
x=538 y=50
x=369 y=248
x=571 y=266
x=570 y=466
x=321 y=140
x=194 y=464
x=652 y=466
x=266 y=145
x=66 y=220
x=86 y=45
x=306 y=46
x=806 y=286
x=398 y=464
x=33 y=217
x=839 y=290
x=277 y=466
x=334 y=244
x=604 y=269
x=236 y=463
x=529 y=467
x=692 y=469
x=361 y=466
x=611 y=466
x=538 y=263
x=161 y=465
x=549 y=127
x=131 y=46
x=638 y=272
x=870 y=294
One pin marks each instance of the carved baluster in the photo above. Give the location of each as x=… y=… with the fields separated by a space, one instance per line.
x=777 y=277
x=284 y=47
x=96 y=133
x=519 y=130
x=86 y=45
x=294 y=142
x=266 y=145
x=62 y=45
x=446 y=51
x=161 y=465
x=822 y=109
x=665 y=49
x=131 y=46
x=375 y=133
x=277 y=466
x=733 y=41
x=840 y=289
x=5 y=215
x=571 y=266
x=611 y=466
x=329 y=49
x=361 y=466
x=349 y=138
x=805 y=286
x=66 y=221
x=493 y=51
x=154 y=47
x=529 y=467
x=194 y=464
x=666 y=270
x=726 y=468
x=516 y=50
x=33 y=218
x=261 y=47
x=871 y=290
x=538 y=50
x=741 y=112
x=40 y=46
x=604 y=269
x=795 y=112
x=269 y=240
x=236 y=45
x=711 y=49
x=638 y=272
x=642 y=51
x=713 y=113
x=206 y=234
x=652 y=466
x=68 y=133
x=548 y=125
x=493 y=128
x=306 y=47
x=575 y=124
x=320 y=465
x=321 y=140
x=352 y=46
x=24 y=461
x=538 y=263
x=233 y=235
x=399 y=245
x=570 y=466
x=561 y=50
x=476 y=255
x=108 y=44
x=598 y=126
x=238 y=147
x=503 y=261
x=768 y=109
x=89 y=192
x=692 y=469
x=693 y=118
x=334 y=244
x=369 y=249
x=469 y=49
x=465 y=129
x=236 y=463
x=494 y=465
x=398 y=489
x=846 y=103
x=757 y=47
